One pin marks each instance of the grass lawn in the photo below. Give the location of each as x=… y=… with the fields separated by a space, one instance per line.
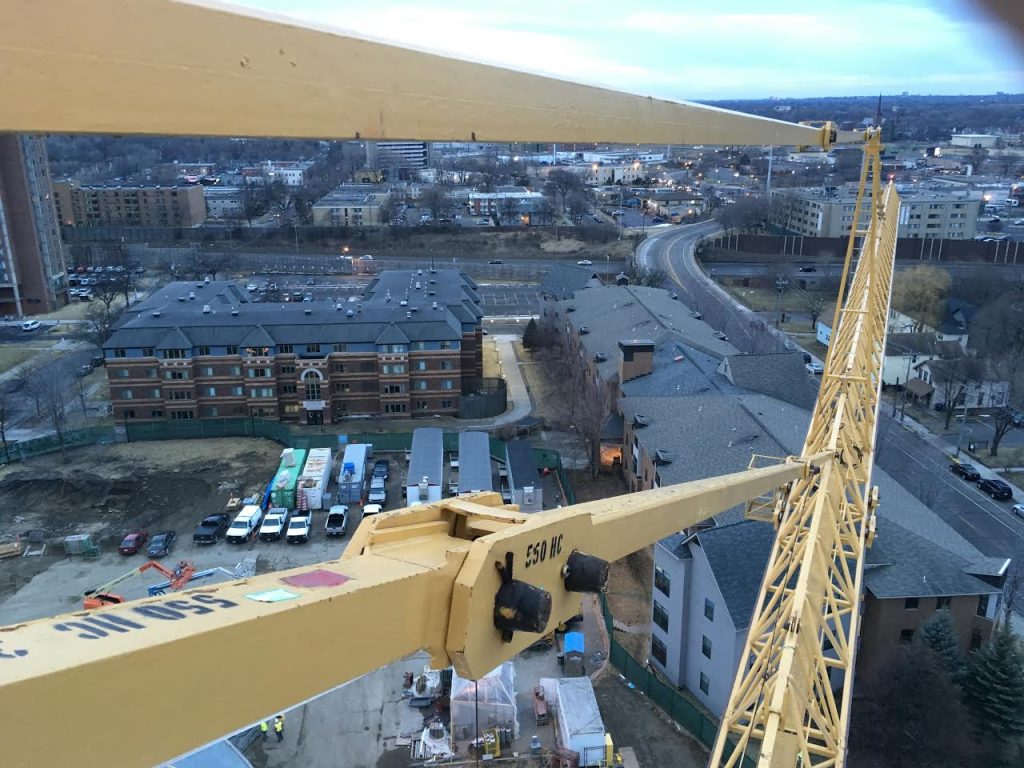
x=1008 y=457
x=12 y=356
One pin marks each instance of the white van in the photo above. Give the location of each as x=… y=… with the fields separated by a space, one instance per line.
x=245 y=524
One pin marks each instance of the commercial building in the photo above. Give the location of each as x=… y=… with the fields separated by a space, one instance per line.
x=33 y=279
x=496 y=203
x=292 y=173
x=829 y=212
x=146 y=206
x=398 y=155
x=202 y=350
x=974 y=140
x=351 y=205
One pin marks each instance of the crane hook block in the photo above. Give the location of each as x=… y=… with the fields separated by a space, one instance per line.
x=518 y=606
x=585 y=573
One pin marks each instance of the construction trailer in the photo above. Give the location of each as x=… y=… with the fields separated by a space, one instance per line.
x=352 y=474
x=580 y=727
x=315 y=477
x=475 y=463
x=523 y=478
x=572 y=651
x=282 y=491
x=424 y=480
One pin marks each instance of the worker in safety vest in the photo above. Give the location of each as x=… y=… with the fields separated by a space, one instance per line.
x=279 y=727
x=264 y=728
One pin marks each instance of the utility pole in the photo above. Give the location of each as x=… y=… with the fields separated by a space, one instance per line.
x=963 y=420
x=768 y=185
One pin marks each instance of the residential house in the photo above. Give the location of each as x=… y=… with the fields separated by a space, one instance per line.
x=904 y=351
x=989 y=390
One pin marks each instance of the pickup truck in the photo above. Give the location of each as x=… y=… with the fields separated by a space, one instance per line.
x=378 y=493
x=274 y=524
x=299 y=527
x=211 y=528
x=337 y=521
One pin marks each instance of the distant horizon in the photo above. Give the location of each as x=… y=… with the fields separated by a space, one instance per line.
x=743 y=50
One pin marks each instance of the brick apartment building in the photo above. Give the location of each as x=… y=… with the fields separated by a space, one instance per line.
x=408 y=346
x=146 y=206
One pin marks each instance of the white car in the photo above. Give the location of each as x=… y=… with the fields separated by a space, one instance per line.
x=251 y=287
x=274 y=524
x=378 y=494
x=816 y=368
x=1018 y=510
x=585 y=263
x=372 y=509
x=31 y=325
x=299 y=528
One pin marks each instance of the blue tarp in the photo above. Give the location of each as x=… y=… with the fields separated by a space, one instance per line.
x=219 y=755
x=573 y=643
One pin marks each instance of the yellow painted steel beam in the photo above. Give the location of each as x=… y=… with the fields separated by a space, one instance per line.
x=180 y=671
x=168 y=67
x=782 y=710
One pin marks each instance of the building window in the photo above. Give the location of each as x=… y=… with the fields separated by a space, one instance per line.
x=421 y=405
x=421 y=365
x=942 y=602
x=259 y=373
x=341 y=347
x=393 y=389
x=446 y=404
x=419 y=385
x=394 y=349
x=211 y=391
x=662 y=582
x=660 y=616
x=231 y=350
x=181 y=394
x=236 y=370
x=206 y=370
x=705 y=646
x=291 y=408
x=658 y=651
x=285 y=349
x=174 y=354
x=312 y=388
x=447 y=384
x=120 y=353
x=129 y=413
x=148 y=352
x=910 y=604
x=392 y=368
x=202 y=350
x=123 y=373
x=312 y=349
x=982 y=605
x=156 y=413
x=182 y=415
x=339 y=367
x=178 y=375
x=288 y=389
x=237 y=391
x=342 y=386
x=152 y=373
x=127 y=394
x=705 y=684
x=906 y=636
x=709 y=610
x=447 y=365
x=287 y=369
x=394 y=408
x=257 y=351
x=261 y=392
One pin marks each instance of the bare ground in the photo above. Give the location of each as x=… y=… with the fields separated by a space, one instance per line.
x=108 y=490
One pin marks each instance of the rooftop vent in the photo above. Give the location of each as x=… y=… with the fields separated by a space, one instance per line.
x=570 y=309
x=206 y=309
x=431 y=293
x=182 y=298
x=433 y=305
x=156 y=313
x=663 y=457
x=234 y=311
x=403 y=303
x=419 y=271
x=584 y=330
x=640 y=420
x=600 y=357
x=350 y=313
x=408 y=315
x=307 y=311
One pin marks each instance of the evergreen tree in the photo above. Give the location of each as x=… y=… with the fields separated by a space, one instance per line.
x=994 y=688
x=939 y=635
x=530 y=335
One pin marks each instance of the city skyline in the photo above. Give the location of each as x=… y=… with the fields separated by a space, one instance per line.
x=915 y=46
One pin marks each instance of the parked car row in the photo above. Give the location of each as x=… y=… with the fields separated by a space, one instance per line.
x=997 y=489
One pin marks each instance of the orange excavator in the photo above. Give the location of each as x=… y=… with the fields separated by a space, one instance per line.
x=101 y=596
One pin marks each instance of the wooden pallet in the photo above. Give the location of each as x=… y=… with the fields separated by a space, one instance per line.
x=11 y=549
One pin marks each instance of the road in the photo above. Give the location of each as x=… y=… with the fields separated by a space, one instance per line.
x=920 y=468
x=834 y=269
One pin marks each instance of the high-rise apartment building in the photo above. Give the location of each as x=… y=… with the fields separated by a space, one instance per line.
x=33 y=279
x=398 y=155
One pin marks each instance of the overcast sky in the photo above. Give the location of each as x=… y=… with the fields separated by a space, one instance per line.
x=693 y=49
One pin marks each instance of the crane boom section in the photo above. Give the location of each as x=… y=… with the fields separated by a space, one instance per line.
x=422 y=578
x=783 y=709
x=188 y=68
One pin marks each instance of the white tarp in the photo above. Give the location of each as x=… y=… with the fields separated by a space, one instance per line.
x=492 y=699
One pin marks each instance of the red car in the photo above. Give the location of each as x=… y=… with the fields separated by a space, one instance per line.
x=133 y=542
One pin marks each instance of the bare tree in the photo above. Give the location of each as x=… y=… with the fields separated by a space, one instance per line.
x=952 y=378
x=576 y=203
x=389 y=209
x=560 y=183
x=509 y=209
x=7 y=396
x=96 y=325
x=814 y=305
x=51 y=382
x=594 y=407
x=23 y=382
x=919 y=292
x=436 y=200
x=646 y=276
x=107 y=292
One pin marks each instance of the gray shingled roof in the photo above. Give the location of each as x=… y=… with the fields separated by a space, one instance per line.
x=562 y=280
x=738 y=554
x=781 y=375
x=910 y=344
x=708 y=435
x=475 y=462
x=616 y=312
